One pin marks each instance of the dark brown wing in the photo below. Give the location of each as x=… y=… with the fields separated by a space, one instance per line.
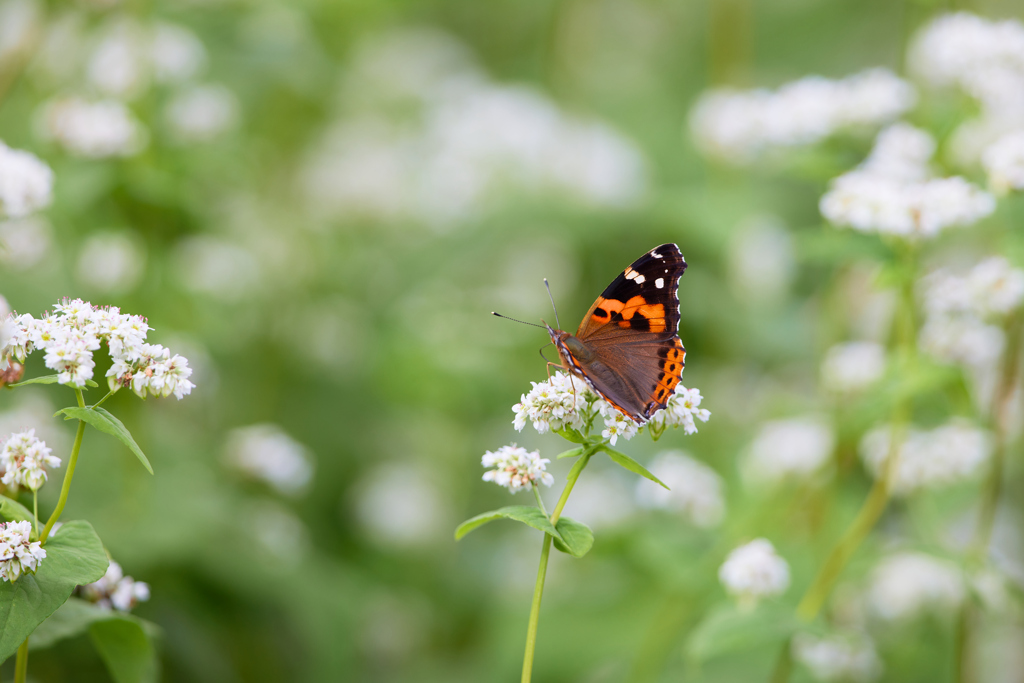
x=636 y=377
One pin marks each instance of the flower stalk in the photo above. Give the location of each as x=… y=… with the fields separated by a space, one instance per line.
x=68 y=475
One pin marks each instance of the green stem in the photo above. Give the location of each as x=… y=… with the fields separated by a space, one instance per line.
x=35 y=511
x=540 y=501
x=68 y=475
x=21 y=663
x=545 y=551
x=784 y=664
x=103 y=400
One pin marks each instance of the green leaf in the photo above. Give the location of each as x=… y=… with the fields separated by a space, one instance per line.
x=13 y=511
x=526 y=514
x=74 y=556
x=630 y=464
x=571 y=453
x=570 y=434
x=730 y=629
x=126 y=649
x=72 y=618
x=108 y=424
x=577 y=538
x=47 y=379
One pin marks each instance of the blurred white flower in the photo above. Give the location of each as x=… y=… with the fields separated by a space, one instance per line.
x=265 y=452
x=792 y=448
x=853 y=366
x=110 y=262
x=603 y=502
x=217 y=267
x=33 y=408
x=17 y=554
x=553 y=404
x=176 y=53
x=738 y=126
x=838 y=658
x=202 y=113
x=117 y=66
x=682 y=410
x=19 y=20
x=906 y=584
x=761 y=261
x=991 y=288
x=516 y=468
x=114 y=590
x=695 y=489
x=26 y=183
x=278 y=531
x=1004 y=163
x=398 y=504
x=928 y=459
x=24 y=242
x=24 y=459
x=891 y=194
x=962 y=339
x=961 y=48
x=105 y=128
x=754 y=571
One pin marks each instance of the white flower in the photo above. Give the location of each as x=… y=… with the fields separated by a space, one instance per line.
x=111 y=262
x=838 y=658
x=267 y=453
x=1004 y=163
x=616 y=423
x=928 y=459
x=682 y=410
x=553 y=404
x=908 y=583
x=991 y=288
x=962 y=339
x=962 y=49
x=738 y=126
x=695 y=489
x=115 y=590
x=25 y=459
x=24 y=242
x=105 y=128
x=516 y=468
x=901 y=152
x=201 y=113
x=17 y=554
x=853 y=366
x=792 y=448
x=117 y=66
x=762 y=262
x=399 y=504
x=26 y=183
x=176 y=53
x=754 y=571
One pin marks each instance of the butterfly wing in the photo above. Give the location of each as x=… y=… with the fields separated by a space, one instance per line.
x=636 y=357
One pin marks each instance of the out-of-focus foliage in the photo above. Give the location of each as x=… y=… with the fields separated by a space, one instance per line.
x=320 y=203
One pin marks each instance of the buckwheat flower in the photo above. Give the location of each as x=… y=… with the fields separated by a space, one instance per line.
x=761 y=258
x=114 y=590
x=176 y=53
x=906 y=584
x=26 y=183
x=150 y=369
x=995 y=287
x=24 y=459
x=24 y=242
x=1004 y=163
x=842 y=658
x=117 y=66
x=682 y=410
x=962 y=339
x=399 y=504
x=202 y=113
x=754 y=571
x=104 y=128
x=515 y=468
x=553 y=404
x=793 y=448
x=267 y=453
x=696 y=489
x=959 y=49
x=616 y=423
x=18 y=555
x=110 y=262
x=928 y=458
x=852 y=366
x=901 y=152
x=70 y=355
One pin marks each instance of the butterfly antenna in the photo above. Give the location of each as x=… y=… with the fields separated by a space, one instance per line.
x=517 y=321
x=552 y=303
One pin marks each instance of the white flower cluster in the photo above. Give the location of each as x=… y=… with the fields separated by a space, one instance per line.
x=267 y=453
x=18 y=554
x=853 y=366
x=129 y=55
x=93 y=129
x=560 y=401
x=76 y=328
x=794 y=448
x=1004 y=163
x=682 y=410
x=695 y=489
x=24 y=459
x=928 y=458
x=115 y=590
x=908 y=583
x=201 y=113
x=468 y=142
x=738 y=126
x=838 y=658
x=891 y=194
x=754 y=571
x=516 y=468
x=26 y=183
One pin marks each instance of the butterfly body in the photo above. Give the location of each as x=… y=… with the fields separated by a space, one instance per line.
x=627 y=347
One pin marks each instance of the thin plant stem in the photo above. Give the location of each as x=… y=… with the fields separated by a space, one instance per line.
x=784 y=664
x=21 y=663
x=545 y=551
x=35 y=511
x=540 y=501
x=68 y=475
x=103 y=400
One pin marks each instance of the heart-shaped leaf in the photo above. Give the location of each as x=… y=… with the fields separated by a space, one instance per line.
x=526 y=514
x=576 y=537
x=630 y=464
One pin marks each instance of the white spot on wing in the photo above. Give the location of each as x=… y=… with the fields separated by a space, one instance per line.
x=656 y=254
x=659 y=283
x=640 y=279
x=631 y=274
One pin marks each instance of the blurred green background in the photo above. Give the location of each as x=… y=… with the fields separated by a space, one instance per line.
x=328 y=263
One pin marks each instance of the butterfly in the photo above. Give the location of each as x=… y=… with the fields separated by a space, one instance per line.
x=627 y=347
